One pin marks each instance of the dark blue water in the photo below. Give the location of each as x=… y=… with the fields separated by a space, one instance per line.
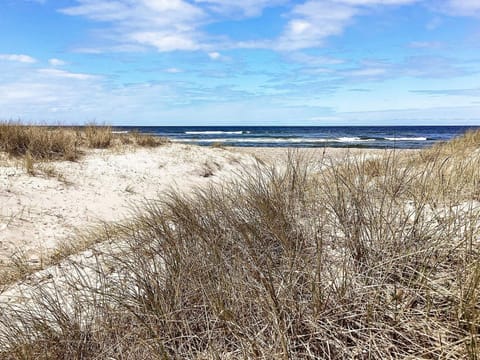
x=404 y=137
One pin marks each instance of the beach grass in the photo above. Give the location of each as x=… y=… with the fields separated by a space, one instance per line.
x=65 y=143
x=98 y=137
x=369 y=258
x=40 y=142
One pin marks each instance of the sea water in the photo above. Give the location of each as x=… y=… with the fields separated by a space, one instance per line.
x=402 y=137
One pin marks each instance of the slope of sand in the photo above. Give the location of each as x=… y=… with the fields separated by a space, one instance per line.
x=39 y=212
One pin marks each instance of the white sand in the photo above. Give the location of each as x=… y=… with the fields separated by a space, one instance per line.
x=39 y=212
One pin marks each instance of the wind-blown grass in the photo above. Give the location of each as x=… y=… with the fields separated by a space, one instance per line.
x=98 y=137
x=65 y=143
x=372 y=258
x=40 y=142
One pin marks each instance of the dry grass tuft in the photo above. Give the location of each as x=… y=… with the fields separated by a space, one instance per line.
x=459 y=146
x=65 y=143
x=41 y=142
x=367 y=259
x=145 y=140
x=218 y=145
x=29 y=163
x=98 y=137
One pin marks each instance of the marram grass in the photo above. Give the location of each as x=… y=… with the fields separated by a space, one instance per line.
x=65 y=143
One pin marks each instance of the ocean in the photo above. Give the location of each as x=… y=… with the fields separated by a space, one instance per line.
x=402 y=137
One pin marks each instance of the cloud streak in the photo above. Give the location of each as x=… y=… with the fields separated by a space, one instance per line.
x=473 y=92
x=312 y=22
x=246 y=8
x=462 y=7
x=18 y=58
x=177 y=25
x=57 y=73
x=56 y=62
x=164 y=25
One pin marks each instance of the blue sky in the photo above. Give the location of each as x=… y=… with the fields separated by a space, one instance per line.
x=241 y=62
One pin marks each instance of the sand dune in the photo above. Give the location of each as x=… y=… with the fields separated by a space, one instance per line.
x=42 y=211
x=39 y=212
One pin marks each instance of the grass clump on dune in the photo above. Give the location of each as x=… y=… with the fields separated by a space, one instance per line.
x=41 y=142
x=365 y=259
x=65 y=143
x=98 y=137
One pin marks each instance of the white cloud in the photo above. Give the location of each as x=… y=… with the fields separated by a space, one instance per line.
x=18 y=58
x=235 y=7
x=473 y=92
x=28 y=91
x=54 y=95
x=100 y=10
x=166 y=25
x=217 y=56
x=375 y=2
x=169 y=25
x=312 y=22
x=315 y=20
x=462 y=7
x=87 y=50
x=56 y=62
x=65 y=74
x=367 y=72
x=426 y=45
x=214 y=55
x=173 y=70
x=165 y=41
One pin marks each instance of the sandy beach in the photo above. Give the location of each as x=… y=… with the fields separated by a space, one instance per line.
x=354 y=222
x=41 y=211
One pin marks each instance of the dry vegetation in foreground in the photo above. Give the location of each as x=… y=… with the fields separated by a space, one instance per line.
x=370 y=259
x=65 y=143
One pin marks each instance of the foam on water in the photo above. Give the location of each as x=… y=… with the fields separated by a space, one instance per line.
x=275 y=140
x=214 y=132
x=352 y=139
x=406 y=138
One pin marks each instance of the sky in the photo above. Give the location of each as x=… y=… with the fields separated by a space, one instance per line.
x=240 y=62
